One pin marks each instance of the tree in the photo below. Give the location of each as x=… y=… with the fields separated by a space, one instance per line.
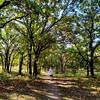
x=87 y=29
x=4 y=3
x=42 y=18
x=8 y=12
x=8 y=46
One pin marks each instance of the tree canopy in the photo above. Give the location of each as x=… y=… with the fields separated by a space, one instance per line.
x=37 y=34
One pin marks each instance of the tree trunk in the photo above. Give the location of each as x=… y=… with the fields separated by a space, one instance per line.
x=30 y=60
x=11 y=62
x=7 y=60
x=30 y=64
x=92 y=69
x=8 y=67
x=35 y=71
x=2 y=62
x=91 y=60
x=61 y=65
x=20 y=64
x=91 y=64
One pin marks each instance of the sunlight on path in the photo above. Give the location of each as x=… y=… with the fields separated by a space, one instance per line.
x=48 y=88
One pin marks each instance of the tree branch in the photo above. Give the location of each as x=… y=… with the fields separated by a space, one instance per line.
x=2 y=25
x=5 y=3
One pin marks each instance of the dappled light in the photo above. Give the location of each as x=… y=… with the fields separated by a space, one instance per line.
x=50 y=88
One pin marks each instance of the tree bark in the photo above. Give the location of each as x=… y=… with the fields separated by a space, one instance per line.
x=91 y=58
x=61 y=64
x=91 y=64
x=7 y=60
x=30 y=60
x=20 y=64
x=35 y=71
x=2 y=62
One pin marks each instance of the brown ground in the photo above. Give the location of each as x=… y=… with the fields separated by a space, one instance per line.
x=48 y=88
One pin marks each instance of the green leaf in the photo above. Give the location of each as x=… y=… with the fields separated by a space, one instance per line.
x=1 y=1
x=98 y=23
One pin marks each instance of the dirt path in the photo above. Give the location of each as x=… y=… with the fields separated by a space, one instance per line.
x=68 y=89
x=48 y=88
x=54 y=91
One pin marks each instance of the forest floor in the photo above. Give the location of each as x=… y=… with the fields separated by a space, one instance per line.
x=47 y=88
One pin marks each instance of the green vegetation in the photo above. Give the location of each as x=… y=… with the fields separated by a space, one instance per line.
x=35 y=35
x=38 y=34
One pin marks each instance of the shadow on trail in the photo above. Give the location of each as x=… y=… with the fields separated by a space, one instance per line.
x=48 y=89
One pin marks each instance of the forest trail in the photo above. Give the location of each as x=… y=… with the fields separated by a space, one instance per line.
x=47 y=88
x=53 y=90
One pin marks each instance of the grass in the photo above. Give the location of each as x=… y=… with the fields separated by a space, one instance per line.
x=70 y=74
